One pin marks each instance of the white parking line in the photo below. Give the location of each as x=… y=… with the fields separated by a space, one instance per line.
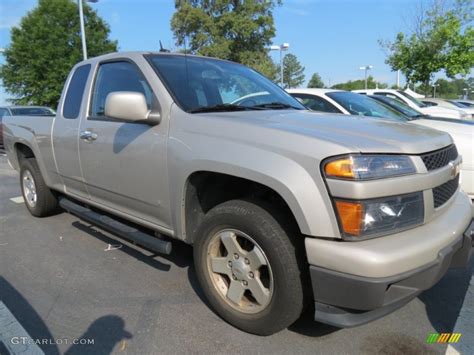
x=18 y=199
x=465 y=325
x=13 y=336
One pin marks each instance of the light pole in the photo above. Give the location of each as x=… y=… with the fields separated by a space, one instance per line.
x=83 y=33
x=366 y=68
x=434 y=89
x=281 y=48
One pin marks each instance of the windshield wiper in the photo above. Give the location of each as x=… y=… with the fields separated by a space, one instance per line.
x=221 y=108
x=275 y=106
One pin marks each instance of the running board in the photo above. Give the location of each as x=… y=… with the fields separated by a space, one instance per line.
x=120 y=229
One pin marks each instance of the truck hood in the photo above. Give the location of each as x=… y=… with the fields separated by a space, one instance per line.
x=354 y=133
x=462 y=132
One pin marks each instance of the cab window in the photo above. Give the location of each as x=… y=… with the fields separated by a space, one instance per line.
x=75 y=92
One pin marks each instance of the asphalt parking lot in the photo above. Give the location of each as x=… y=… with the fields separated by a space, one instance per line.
x=63 y=279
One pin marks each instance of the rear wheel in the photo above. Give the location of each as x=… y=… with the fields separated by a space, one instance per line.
x=248 y=267
x=39 y=199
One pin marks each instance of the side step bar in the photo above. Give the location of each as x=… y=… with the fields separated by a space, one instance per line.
x=120 y=229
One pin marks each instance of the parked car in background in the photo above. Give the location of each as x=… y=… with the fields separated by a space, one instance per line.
x=276 y=200
x=3 y=112
x=319 y=100
x=378 y=106
x=449 y=104
x=22 y=111
x=27 y=111
x=416 y=104
x=465 y=103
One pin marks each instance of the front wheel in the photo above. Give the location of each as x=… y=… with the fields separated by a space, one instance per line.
x=248 y=267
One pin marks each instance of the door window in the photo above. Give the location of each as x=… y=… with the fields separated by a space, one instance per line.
x=117 y=76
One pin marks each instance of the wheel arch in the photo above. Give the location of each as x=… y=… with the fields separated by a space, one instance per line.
x=205 y=189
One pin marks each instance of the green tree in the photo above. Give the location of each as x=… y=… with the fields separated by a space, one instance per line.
x=239 y=30
x=442 y=40
x=293 y=72
x=448 y=89
x=360 y=84
x=44 y=48
x=316 y=81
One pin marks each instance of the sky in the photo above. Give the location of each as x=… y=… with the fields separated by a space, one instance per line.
x=331 y=37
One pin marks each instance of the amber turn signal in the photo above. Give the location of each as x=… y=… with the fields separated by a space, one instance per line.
x=342 y=168
x=350 y=216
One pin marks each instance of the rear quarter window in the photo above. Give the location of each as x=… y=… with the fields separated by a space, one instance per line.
x=75 y=92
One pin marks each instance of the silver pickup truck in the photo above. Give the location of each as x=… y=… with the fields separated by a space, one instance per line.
x=285 y=208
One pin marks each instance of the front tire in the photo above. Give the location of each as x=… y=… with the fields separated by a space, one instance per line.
x=249 y=266
x=39 y=199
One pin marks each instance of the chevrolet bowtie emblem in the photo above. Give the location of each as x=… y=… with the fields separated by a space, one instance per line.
x=455 y=168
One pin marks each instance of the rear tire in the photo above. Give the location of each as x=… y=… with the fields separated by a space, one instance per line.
x=39 y=199
x=270 y=296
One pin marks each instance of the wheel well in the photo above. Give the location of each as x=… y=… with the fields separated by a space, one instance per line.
x=206 y=190
x=23 y=151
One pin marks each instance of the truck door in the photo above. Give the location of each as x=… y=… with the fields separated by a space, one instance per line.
x=124 y=164
x=66 y=130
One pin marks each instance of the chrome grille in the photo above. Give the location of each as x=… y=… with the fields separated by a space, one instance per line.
x=444 y=192
x=439 y=158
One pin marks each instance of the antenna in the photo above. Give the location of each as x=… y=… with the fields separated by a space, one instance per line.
x=163 y=50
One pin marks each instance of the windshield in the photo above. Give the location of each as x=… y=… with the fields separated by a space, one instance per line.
x=412 y=99
x=457 y=104
x=465 y=104
x=398 y=105
x=362 y=105
x=201 y=84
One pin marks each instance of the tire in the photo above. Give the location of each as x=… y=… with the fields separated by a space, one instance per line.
x=45 y=203
x=275 y=238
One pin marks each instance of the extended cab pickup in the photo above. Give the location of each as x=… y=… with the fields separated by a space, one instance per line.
x=278 y=202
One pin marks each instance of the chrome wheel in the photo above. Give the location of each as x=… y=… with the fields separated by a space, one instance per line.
x=29 y=189
x=240 y=271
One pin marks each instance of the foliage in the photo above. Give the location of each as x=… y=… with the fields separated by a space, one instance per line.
x=316 y=81
x=44 y=48
x=452 y=89
x=442 y=40
x=293 y=72
x=360 y=84
x=239 y=30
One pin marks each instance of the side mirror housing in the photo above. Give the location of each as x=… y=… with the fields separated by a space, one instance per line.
x=129 y=106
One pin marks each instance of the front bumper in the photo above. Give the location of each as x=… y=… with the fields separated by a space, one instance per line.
x=345 y=300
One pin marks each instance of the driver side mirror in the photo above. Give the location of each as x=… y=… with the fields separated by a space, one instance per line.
x=129 y=106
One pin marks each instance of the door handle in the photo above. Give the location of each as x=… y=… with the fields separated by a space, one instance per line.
x=88 y=136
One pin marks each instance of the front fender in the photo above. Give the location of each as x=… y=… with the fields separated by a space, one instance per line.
x=303 y=191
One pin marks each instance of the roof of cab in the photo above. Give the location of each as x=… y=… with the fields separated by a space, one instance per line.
x=135 y=54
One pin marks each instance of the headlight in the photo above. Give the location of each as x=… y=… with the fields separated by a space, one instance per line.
x=376 y=217
x=366 y=167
